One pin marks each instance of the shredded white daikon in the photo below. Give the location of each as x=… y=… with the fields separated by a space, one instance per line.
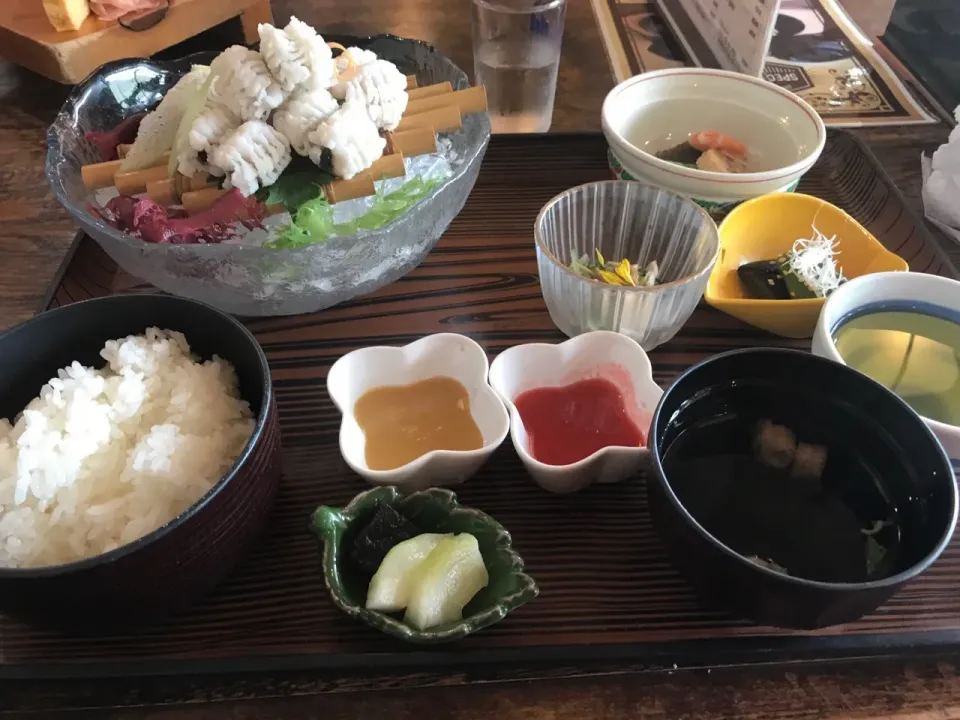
x=813 y=261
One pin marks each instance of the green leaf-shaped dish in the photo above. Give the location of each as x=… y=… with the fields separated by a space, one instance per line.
x=435 y=510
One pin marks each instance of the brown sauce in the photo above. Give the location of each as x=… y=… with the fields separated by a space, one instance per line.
x=403 y=422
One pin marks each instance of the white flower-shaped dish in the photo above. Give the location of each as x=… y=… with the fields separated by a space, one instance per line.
x=443 y=354
x=601 y=354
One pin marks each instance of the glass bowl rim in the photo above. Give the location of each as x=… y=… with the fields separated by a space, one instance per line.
x=685 y=280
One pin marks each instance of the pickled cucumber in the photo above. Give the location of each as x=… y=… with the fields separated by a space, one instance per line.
x=390 y=587
x=446 y=581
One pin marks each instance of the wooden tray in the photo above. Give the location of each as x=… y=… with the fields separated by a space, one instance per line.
x=608 y=592
x=28 y=39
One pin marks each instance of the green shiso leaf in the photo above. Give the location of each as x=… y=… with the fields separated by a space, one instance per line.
x=313 y=221
x=299 y=184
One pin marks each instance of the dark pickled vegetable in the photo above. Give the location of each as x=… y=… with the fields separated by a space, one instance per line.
x=683 y=154
x=769 y=280
x=386 y=529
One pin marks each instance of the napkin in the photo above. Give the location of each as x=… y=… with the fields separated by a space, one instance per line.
x=941 y=184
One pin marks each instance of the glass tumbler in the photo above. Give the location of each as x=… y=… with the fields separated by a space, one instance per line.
x=640 y=223
x=516 y=53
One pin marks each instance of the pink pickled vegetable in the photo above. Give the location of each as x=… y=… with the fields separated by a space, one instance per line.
x=155 y=224
x=106 y=141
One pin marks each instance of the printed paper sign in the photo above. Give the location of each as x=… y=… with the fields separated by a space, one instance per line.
x=737 y=32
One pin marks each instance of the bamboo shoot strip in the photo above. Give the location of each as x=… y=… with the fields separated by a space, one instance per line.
x=163 y=192
x=442 y=119
x=199 y=200
x=356 y=187
x=389 y=166
x=468 y=101
x=419 y=141
x=97 y=176
x=197 y=182
x=429 y=91
x=133 y=183
x=168 y=192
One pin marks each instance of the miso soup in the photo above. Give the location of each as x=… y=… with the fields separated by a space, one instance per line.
x=912 y=349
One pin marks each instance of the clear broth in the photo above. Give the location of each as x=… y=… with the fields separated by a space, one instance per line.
x=819 y=530
x=670 y=122
x=914 y=350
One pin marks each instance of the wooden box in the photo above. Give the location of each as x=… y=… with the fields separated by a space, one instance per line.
x=28 y=39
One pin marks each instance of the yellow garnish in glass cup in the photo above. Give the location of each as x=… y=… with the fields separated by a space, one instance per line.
x=622 y=273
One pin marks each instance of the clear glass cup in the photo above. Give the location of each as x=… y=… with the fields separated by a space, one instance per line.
x=516 y=54
x=629 y=220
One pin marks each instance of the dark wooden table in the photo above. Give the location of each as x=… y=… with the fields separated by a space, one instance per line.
x=36 y=233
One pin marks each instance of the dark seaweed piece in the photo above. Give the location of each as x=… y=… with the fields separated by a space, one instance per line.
x=386 y=529
x=684 y=154
x=764 y=280
x=767 y=280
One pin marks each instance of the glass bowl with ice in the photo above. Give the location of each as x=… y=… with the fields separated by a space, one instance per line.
x=275 y=181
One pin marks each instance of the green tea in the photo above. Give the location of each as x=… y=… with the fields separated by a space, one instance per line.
x=913 y=350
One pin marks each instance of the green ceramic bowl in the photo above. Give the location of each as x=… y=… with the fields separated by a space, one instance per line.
x=434 y=510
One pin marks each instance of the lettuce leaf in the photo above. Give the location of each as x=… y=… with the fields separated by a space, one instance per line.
x=313 y=221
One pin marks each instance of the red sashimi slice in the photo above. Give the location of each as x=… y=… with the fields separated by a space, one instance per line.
x=113 y=9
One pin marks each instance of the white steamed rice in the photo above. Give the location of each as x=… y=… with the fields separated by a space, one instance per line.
x=103 y=457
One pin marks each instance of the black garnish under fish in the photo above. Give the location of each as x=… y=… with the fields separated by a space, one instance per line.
x=386 y=528
x=326 y=161
x=769 y=280
x=808 y=270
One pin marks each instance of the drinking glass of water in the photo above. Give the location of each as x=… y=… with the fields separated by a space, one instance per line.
x=516 y=53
